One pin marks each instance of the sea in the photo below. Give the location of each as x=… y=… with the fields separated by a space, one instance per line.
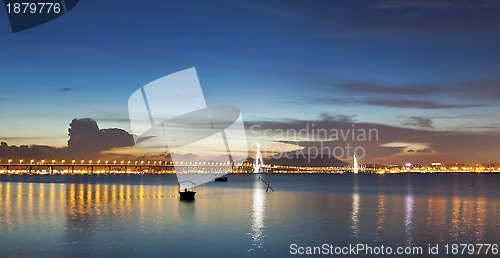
x=389 y=215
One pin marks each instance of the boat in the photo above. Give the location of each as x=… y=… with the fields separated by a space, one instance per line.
x=187 y=195
x=221 y=179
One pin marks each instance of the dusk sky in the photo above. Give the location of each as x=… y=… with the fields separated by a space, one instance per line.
x=426 y=74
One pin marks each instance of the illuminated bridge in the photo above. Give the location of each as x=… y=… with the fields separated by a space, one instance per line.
x=126 y=166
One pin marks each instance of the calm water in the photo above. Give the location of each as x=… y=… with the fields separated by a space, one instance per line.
x=139 y=215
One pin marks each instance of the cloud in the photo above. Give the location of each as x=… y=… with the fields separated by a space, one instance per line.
x=434 y=4
x=390 y=19
x=64 y=89
x=85 y=136
x=367 y=87
x=470 y=89
x=25 y=152
x=86 y=141
x=443 y=146
x=421 y=96
x=339 y=118
x=416 y=104
x=184 y=157
x=422 y=122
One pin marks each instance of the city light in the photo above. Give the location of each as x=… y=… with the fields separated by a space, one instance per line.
x=168 y=167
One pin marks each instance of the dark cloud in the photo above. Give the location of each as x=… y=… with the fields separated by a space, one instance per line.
x=373 y=145
x=422 y=122
x=85 y=136
x=366 y=88
x=391 y=144
x=427 y=20
x=471 y=89
x=421 y=96
x=64 y=89
x=86 y=141
x=416 y=104
x=428 y=17
x=339 y=118
x=183 y=157
x=435 y=4
x=28 y=152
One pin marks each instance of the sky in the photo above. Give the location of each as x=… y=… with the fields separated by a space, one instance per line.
x=425 y=74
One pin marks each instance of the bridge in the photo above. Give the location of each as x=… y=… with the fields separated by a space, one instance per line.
x=139 y=167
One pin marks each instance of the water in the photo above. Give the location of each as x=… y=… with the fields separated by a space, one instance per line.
x=137 y=215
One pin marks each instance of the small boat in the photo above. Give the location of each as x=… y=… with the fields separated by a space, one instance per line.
x=221 y=179
x=187 y=194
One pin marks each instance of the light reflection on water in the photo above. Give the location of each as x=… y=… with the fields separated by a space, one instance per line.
x=143 y=216
x=409 y=202
x=380 y=217
x=355 y=208
x=258 y=211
